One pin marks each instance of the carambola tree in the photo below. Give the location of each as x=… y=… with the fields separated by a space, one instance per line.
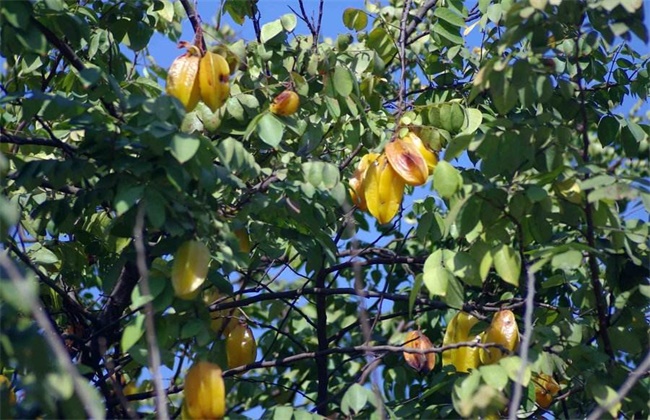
x=440 y=212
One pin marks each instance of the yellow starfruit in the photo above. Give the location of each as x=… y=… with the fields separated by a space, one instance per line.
x=285 y=104
x=356 y=182
x=430 y=157
x=241 y=348
x=458 y=331
x=214 y=85
x=205 y=392
x=545 y=389
x=502 y=330
x=182 y=79
x=383 y=189
x=421 y=362
x=190 y=268
x=407 y=160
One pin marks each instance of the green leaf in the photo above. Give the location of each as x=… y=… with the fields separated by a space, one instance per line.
x=289 y=22
x=415 y=291
x=132 y=332
x=463 y=266
x=449 y=16
x=452 y=117
x=446 y=179
x=604 y=394
x=183 y=147
x=271 y=30
x=126 y=197
x=321 y=174
x=473 y=121
x=355 y=19
x=511 y=365
x=495 y=376
x=270 y=130
x=568 y=260
x=42 y=255
x=343 y=81
x=380 y=41
x=355 y=398
x=435 y=276
x=507 y=262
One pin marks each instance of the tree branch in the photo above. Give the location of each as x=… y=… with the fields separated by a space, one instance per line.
x=36 y=141
x=150 y=327
x=632 y=379
x=419 y=15
x=51 y=336
x=603 y=318
x=525 y=343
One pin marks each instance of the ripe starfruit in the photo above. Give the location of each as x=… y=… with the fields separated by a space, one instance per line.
x=190 y=268
x=407 y=160
x=458 y=331
x=430 y=157
x=214 y=73
x=383 y=189
x=356 y=182
x=7 y=393
x=240 y=346
x=545 y=389
x=421 y=362
x=182 y=79
x=502 y=330
x=285 y=104
x=225 y=320
x=205 y=392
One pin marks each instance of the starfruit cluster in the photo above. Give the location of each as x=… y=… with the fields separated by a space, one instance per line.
x=195 y=77
x=204 y=392
x=377 y=185
x=421 y=362
x=502 y=330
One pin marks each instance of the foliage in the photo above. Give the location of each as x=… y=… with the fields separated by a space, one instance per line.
x=542 y=193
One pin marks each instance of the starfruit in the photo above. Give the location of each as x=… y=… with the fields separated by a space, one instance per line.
x=205 y=392
x=214 y=73
x=356 y=182
x=421 y=362
x=545 y=389
x=182 y=79
x=190 y=268
x=430 y=157
x=569 y=189
x=407 y=160
x=241 y=348
x=502 y=330
x=286 y=103
x=383 y=189
x=6 y=391
x=458 y=331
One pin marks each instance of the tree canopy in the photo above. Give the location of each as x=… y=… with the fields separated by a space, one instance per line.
x=441 y=212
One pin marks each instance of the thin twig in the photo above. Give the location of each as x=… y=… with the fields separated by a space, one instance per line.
x=150 y=328
x=632 y=379
x=51 y=337
x=402 y=59
x=525 y=343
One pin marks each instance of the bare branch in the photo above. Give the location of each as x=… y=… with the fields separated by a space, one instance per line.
x=525 y=343
x=150 y=327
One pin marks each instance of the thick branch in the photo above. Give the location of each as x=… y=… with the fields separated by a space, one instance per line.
x=601 y=306
x=419 y=15
x=36 y=141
